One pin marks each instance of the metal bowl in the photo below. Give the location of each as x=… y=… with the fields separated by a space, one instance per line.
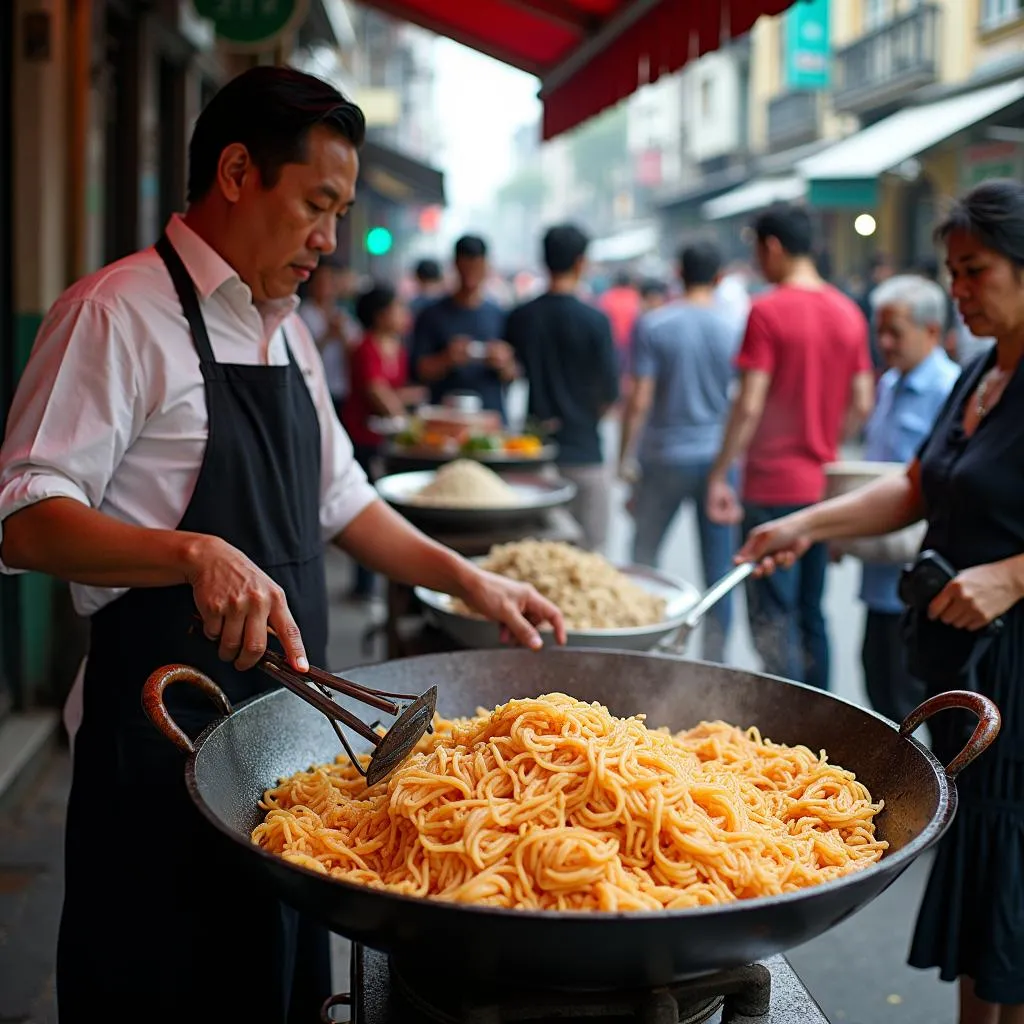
x=535 y=495
x=679 y=596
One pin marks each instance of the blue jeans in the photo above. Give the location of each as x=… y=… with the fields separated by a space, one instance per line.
x=659 y=496
x=786 y=619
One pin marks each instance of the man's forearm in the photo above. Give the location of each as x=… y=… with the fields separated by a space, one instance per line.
x=738 y=433
x=386 y=543
x=632 y=423
x=64 y=538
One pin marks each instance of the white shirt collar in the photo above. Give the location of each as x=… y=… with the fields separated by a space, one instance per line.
x=210 y=271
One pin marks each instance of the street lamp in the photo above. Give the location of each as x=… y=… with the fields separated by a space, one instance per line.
x=865 y=225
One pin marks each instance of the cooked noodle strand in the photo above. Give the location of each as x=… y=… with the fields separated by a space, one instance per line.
x=550 y=803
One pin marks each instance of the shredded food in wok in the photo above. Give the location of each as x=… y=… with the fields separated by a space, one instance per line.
x=554 y=804
x=589 y=591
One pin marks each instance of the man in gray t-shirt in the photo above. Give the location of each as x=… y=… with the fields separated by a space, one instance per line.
x=682 y=368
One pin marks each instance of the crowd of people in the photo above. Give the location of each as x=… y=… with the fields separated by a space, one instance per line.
x=772 y=370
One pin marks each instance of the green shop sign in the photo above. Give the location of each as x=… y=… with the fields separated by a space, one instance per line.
x=251 y=24
x=808 y=50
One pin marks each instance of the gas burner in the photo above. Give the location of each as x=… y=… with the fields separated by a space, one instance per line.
x=391 y=990
x=746 y=990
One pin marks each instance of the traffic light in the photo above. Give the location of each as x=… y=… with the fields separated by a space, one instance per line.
x=378 y=241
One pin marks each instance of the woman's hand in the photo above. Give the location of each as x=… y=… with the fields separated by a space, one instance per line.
x=976 y=597
x=777 y=544
x=515 y=606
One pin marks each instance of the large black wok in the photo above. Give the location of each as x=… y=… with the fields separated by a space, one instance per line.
x=239 y=756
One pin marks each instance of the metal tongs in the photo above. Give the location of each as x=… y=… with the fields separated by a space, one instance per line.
x=391 y=748
x=676 y=643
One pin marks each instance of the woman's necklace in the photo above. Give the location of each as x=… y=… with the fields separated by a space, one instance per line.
x=981 y=404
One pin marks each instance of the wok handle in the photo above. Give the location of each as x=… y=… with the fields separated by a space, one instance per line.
x=344 y=999
x=156 y=710
x=985 y=732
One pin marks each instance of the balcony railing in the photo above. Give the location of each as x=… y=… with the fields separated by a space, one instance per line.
x=892 y=60
x=793 y=119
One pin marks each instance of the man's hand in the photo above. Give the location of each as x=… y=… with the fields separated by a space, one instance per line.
x=723 y=506
x=458 y=350
x=515 y=606
x=501 y=358
x=237 y=600
x=629 y=471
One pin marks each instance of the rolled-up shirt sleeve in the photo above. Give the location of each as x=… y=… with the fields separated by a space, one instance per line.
x=344 y=489
x=77 y=408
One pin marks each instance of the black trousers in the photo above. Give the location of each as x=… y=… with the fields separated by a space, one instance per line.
x=892 y=690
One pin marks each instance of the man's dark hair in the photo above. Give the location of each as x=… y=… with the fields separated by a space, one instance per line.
x=622 y=279
x=428 y=271
x=993 y=212
x=372 y=303
x=700 y=263
x=564 y=246
x=790 y=225
x=471 y=246
x=650 y=286
x=270 y=111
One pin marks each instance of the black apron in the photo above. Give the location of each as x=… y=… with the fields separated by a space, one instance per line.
x=158 y=921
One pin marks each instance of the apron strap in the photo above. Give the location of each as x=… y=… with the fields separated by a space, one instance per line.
x=186 y=290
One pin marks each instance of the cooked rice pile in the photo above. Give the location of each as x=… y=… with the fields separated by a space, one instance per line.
x=589 y=590
x=465 y=483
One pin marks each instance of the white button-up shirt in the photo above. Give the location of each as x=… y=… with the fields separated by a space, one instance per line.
x=111 y=409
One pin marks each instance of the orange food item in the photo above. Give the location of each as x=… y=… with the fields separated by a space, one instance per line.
x=526 y=445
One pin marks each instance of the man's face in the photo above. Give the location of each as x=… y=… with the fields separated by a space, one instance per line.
x=472 y=271
x=285 y=229
x=903 y=342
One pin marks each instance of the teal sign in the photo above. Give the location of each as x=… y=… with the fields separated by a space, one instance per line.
x=251 y=24
x=807 y=50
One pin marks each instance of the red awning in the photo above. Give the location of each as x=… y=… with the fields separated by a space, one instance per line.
x=588 y=54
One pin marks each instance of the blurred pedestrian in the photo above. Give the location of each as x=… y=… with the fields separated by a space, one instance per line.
x=457 y=341
x=880 y=269
x=429 y=286
x=379 y=386
x=676 y=411
x=929 y=269
x=653 y=295
x=805 y=379
x=621 y=304
x=568 y=357
x=334 y=330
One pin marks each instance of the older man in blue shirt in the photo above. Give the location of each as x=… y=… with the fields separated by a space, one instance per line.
x=909 y=313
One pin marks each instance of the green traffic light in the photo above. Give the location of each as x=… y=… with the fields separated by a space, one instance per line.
x=378 y=241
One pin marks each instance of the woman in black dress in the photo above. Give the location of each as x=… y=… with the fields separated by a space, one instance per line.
x=968 y=483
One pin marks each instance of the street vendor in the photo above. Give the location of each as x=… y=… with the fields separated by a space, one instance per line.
x=173 y=452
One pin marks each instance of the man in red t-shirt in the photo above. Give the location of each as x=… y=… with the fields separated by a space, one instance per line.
x=806 y=382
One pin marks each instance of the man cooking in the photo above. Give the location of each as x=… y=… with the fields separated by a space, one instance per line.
x=172 y=451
